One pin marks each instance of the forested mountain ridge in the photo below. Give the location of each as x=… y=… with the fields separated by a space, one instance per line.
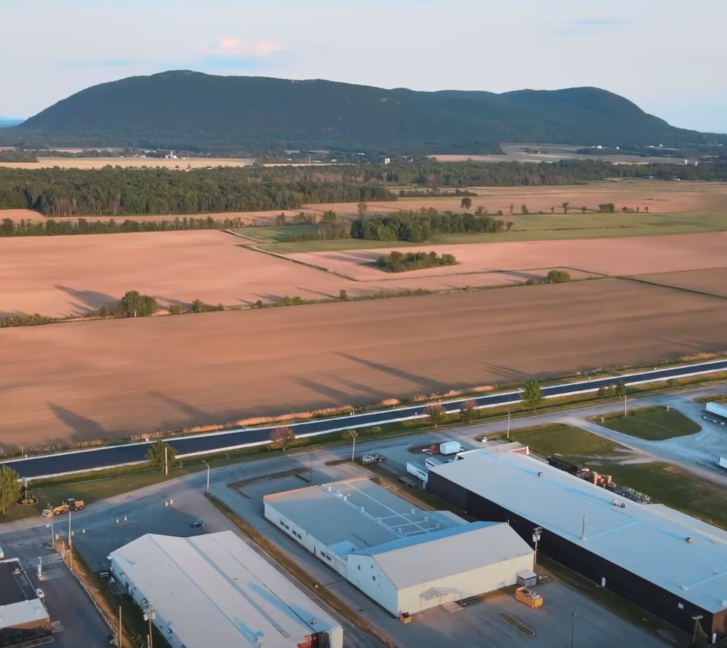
x=191 y=110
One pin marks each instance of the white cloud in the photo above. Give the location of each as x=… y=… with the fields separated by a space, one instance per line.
x=230 y=46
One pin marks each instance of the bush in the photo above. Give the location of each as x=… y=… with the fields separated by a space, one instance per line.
x=558 y=276
x=400 y=262
x=26 y=320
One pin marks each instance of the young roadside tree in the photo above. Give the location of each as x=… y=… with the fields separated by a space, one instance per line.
x=602 y=392
x=362 y=207
x=281 y=437
x=646 y=209
x=584 y=210
x=280 y=219
x=466 y=203
x=161 y=455
x=435 y=414
x=524 y=210
x=532 y=394
x=343 y=295
x=565 y=206
x=10 y=487
x=620 y=389
x=134 y=304
x=468 y=412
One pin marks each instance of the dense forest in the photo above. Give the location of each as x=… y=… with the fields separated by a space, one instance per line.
x=118 y=192
x=195 y=111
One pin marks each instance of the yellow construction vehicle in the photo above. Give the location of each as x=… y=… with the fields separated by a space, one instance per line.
x=69 y=505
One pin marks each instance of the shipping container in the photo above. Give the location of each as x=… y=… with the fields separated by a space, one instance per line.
x=716 y=408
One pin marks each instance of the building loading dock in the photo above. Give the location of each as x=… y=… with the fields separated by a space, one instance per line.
x=666 y=562
x=403 y=557
x=215 y=590
x=23 y=616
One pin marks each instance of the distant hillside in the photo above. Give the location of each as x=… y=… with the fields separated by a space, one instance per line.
x=190 y=110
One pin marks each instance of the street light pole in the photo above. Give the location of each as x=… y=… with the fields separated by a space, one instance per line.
x=508 y=425
x=573 y=631
x=208 y=477
x=625 y=410
x=353 y=448
x=70 y=537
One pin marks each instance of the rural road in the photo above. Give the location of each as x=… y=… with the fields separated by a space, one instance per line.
x=128 y=454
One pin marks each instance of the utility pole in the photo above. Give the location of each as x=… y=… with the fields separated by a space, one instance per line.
x=208 y=477
x=537 y=532
x=625 y=400
x=121 y=630
x=149 y=615
x=508 y=425
x=70 y=537
x=166 y=459
x=573 y=631
x=353 y=448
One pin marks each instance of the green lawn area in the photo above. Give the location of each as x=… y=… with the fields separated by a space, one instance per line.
x=572 y=444
x=531 y=227
x=677 y=489
x=653 y=424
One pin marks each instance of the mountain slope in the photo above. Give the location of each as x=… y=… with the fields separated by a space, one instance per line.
x=190 y=110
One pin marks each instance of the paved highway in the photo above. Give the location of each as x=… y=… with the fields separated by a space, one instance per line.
x=121 y=455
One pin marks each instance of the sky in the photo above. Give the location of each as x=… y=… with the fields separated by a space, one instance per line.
x=665 y=55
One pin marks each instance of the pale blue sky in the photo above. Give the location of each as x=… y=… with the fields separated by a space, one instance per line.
x=666 y=55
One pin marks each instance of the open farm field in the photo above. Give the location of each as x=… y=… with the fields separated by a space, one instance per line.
x=129 y=163
x=627 y=256
x=86 y=380
x=552 y=153
x=66 y=276
x=712 y=281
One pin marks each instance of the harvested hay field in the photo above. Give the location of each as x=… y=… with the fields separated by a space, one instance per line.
x=69 y=276
x=75 y=382
x=712 y=281
x=620 y=257
x=657 y=197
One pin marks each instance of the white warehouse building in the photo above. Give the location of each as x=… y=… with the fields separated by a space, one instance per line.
x=405 y=558
x=215 y=590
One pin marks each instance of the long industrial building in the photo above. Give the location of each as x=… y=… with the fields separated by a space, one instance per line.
x=404 y=558
x=666 y=562
x=23 y=616
x=214 y=590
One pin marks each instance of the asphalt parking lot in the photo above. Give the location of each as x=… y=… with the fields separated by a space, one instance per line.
x=76 y=622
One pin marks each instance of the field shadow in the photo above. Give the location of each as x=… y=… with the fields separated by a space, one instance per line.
x=521 y=274
x=83 y=428
x=4 y=314
x=431 y=385
x=270 y=298
x=89 y=299
x=339 y=397
x=359 y=258
x=364 y=389
x=315 y=292
x=508 y=372
x=190 y=410
x=166 y=302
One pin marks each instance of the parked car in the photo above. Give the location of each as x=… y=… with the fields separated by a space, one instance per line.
x=198 y=524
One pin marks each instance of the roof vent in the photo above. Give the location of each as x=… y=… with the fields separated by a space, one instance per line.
x=690 y=540
x=540 y=474
x=313 y=621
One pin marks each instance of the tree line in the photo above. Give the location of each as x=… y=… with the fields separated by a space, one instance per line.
x=51 y=227
x=115 y=191
x=120 y=192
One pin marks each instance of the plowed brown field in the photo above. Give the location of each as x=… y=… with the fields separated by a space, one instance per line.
x=616 y=256
x=73 y=382
x=712 y=281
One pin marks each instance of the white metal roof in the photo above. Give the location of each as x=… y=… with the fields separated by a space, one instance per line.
x=357 y=513
x=214 y=590
x=423 y=559
x=22 y=612
x=649 y=541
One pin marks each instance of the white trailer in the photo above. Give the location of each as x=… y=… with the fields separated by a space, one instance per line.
x=717 y=409
x=450 y=447
x=722 y=463
x=418 y=472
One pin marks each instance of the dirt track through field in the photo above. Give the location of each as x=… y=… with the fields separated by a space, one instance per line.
x=73 y=382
